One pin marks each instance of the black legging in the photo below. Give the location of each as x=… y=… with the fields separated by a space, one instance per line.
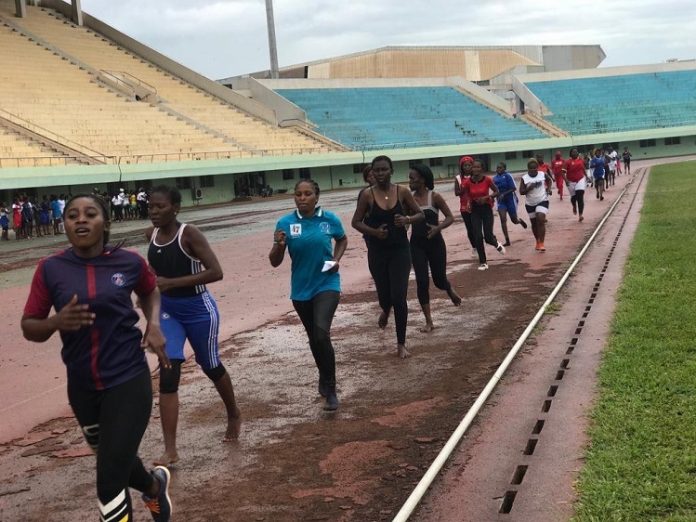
x=316 y=316
x=578 y=200
x=431 y=252
x=466 y=216
x=113 y=422
x=482 y=223
x=390 y=268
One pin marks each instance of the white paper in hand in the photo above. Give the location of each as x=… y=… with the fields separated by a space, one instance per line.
x=328 y=265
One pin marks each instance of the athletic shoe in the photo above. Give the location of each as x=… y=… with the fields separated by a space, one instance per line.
x=523 y=223
x=483 y=266
x=160 y=506
x=500 y=248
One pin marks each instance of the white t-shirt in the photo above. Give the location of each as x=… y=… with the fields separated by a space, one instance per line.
x=535 y=194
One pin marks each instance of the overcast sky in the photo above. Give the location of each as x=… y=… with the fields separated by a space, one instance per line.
x=221 y=38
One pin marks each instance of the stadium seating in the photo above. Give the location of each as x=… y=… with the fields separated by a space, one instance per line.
x=620 y=103
x=18 y=151
x=100 y=53
x=369 y=118
x=48 y=91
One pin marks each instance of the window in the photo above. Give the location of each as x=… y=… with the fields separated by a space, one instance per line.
x=288 y=174
x=183 y=183
x=359 y=167
x=207 y=181
x=511 y=155
x=528 y=154
x=673 y=141
x=413 y=163
x=305 y=173
x=647 y=143
x=436 y=162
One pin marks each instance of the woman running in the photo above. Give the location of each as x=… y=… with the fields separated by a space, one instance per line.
x=574 y=176
x=481 y=190
x=391 y=208
x=465 y=165
x=507 y=199
x=184 y=264
x=315 y=283
x=427 y=245
x=533 y=187
x=626 y=157
x=597 y=165
x=109 y=385
x=557 y=165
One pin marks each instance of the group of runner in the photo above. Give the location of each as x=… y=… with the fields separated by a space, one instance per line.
x=90 y=285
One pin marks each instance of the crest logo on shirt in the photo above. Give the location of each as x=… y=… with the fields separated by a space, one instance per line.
x=296 y=229
x=118 y=279
x=325 y=227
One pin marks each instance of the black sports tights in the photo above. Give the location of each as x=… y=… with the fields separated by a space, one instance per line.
x=113 y=422
x=578 y=200
x=390 y=268
x=431 y=252
x=316 y=316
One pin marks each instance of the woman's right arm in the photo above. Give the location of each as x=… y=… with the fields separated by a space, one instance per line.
x=71 y=317
x=277 y=253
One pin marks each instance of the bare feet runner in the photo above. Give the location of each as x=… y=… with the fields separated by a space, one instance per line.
x=427 y=245
x=388 y=250
x=184 y=263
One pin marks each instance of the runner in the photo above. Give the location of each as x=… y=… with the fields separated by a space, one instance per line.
x=109 y=385
x=626 y=157
x=557 y=166
x=533 y=187
x=507 y=199
x=543 y=167
x=427 y=245
x=388 y=250
x=610 y=175
x=184 y=263
x=465 y=165
x=481 y=191
x=597 y=164
x=574 y=176
x=315 y=282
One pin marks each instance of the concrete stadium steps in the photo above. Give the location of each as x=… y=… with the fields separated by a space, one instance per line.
x=19 y=151
x=248 y=132
x=45 y=89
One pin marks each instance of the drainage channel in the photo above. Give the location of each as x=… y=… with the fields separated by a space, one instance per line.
x=508 y=499
x=510 y=495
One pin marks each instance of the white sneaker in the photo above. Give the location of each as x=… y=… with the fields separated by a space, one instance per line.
x=483 y=266
x=500 y=248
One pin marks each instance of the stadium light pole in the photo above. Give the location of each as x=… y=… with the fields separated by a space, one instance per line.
x=272 y=48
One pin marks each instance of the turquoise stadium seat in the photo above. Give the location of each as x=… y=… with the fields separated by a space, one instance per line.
x=372 y=118
x=620 y=103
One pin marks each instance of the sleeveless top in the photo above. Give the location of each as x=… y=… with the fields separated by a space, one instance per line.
x=537 y=194
x=396 y=236
x=170 y=260
x=420 y=229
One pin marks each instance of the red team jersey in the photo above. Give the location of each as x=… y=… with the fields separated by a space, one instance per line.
x=575 y=169
x=478 y=190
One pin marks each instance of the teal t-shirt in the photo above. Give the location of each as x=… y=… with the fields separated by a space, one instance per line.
x=309 y=241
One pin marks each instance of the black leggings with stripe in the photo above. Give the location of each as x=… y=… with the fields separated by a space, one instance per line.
x=113 y=422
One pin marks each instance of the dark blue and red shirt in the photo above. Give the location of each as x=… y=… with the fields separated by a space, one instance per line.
x=108 y=352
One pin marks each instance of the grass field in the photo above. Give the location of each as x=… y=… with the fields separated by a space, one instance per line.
x=641 y=464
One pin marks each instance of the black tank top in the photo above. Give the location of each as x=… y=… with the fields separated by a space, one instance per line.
x=170 y=260
x=420 y=230
x=378 y=216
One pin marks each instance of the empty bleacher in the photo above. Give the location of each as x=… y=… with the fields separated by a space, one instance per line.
x=100 y=53
x=45 y=89
x=620 y=103
x=19 y=151
x=371 y=118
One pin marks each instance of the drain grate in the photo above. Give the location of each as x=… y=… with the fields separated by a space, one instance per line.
x=521 y=470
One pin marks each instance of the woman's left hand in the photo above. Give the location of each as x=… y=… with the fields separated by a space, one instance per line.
x=401 y=221
x=433 y=230
x=155 y=342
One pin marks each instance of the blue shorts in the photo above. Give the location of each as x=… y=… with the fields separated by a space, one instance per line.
x=508 y=204
x=194 y=318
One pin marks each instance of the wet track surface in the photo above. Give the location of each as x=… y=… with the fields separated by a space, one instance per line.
x=294 y=461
